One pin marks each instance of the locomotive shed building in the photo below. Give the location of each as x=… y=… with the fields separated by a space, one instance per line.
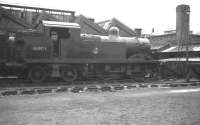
x=179 y=41
x=15 y=17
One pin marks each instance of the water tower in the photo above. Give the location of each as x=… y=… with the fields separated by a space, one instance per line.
x=182 y=24
x=182 y=34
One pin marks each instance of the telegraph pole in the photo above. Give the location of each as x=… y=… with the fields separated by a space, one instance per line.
x=187 y=44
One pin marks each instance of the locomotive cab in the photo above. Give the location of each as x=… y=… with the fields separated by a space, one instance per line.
x=62 y=35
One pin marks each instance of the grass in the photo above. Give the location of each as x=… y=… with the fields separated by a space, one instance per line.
x=131 y=107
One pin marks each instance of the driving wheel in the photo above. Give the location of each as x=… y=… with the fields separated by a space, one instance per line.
x=37 y=74
x=69 y=74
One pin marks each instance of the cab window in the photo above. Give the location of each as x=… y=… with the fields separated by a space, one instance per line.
x=59 y=33
x=54 y=35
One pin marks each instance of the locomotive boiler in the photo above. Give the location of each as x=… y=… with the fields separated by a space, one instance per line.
x=57 y=49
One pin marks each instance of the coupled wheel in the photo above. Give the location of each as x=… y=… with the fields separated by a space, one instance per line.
x=69 y=74
x=37 y=74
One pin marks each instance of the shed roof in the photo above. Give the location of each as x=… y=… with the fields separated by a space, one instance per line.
x=197 y=59
x=60 y=24
x=89 y=27
x=195 y=48
x=125 y=31
x=5 y=13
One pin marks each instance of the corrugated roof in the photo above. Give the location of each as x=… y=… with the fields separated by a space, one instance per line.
x=156 y=47
x=160 y=48
x=60 y=24
x=169 y=49
x=180 y=59
x=161 y=40
x=182 y=48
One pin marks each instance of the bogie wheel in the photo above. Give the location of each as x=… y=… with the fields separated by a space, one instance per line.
x=69 y=74
x=37 y=74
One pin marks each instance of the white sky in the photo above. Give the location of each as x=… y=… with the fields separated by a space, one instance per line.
x=145 y=14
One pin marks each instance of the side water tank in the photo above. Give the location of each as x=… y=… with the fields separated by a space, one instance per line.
x=134 y=45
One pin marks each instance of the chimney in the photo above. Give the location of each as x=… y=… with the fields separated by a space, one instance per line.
x=138 y=32
x=182 y=24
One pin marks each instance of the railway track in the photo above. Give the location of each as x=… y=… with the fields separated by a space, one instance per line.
x=24 y=88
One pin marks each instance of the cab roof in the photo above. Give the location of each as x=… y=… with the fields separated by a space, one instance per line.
x=60 y=24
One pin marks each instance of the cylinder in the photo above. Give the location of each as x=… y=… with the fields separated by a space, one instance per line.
x=182 y=24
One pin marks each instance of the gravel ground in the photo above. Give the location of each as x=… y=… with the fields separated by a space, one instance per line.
x=131 y=107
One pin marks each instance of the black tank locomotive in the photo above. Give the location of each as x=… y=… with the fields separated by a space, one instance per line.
x=57 y=49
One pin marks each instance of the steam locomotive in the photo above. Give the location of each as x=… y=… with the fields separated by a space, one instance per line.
x=58 y=49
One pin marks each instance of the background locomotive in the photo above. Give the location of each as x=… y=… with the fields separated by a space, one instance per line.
x=57 y=49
